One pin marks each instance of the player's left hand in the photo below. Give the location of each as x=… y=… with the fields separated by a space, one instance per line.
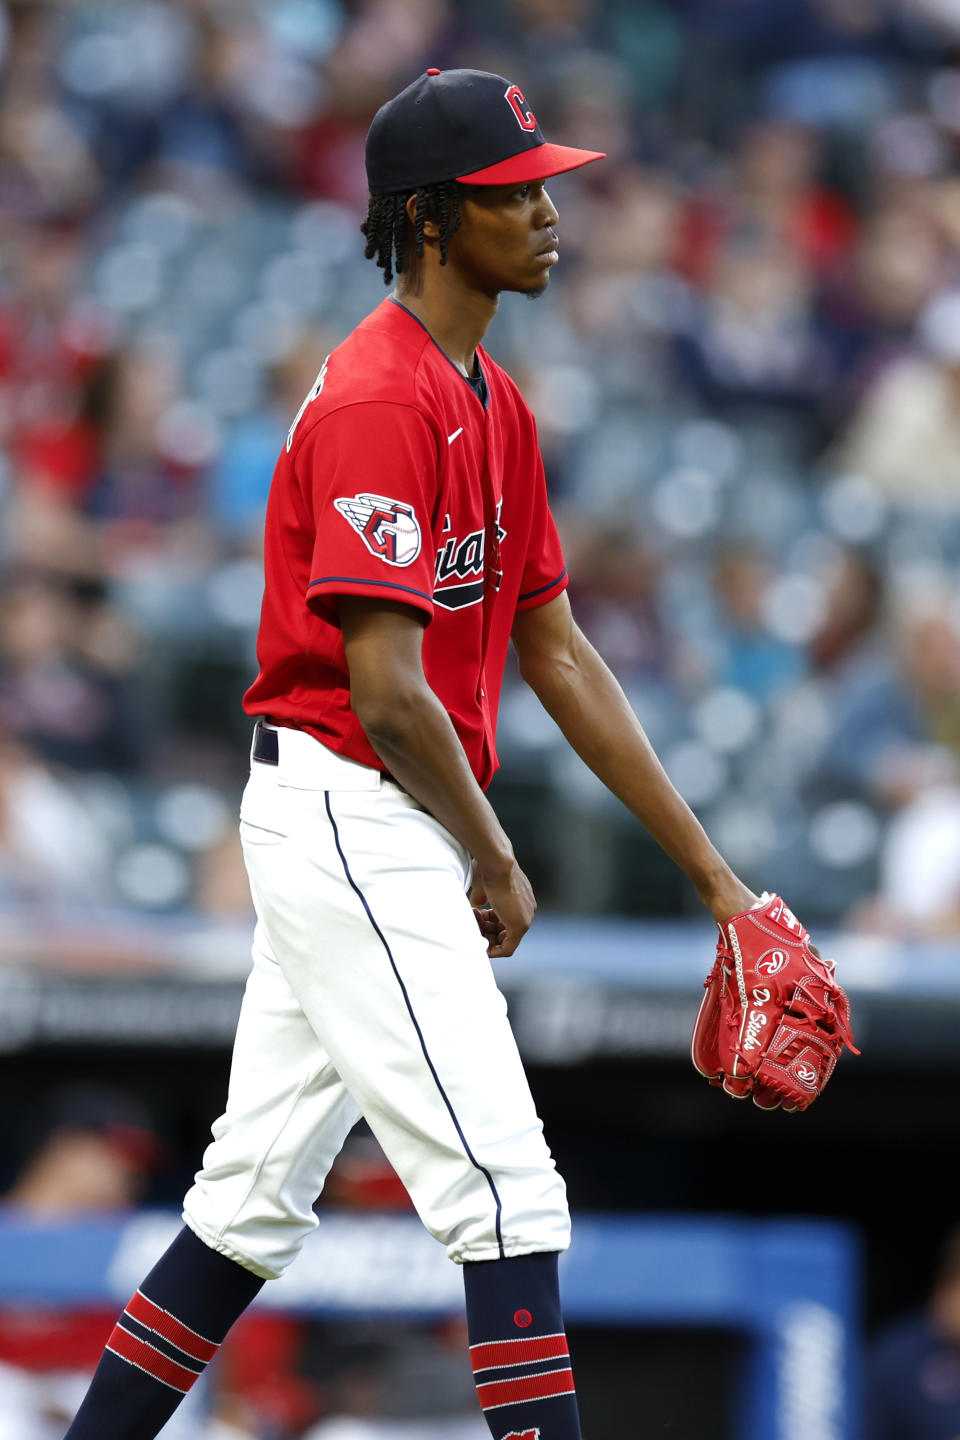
x=774 y=1019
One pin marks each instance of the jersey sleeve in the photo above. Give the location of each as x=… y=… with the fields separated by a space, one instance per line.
x=544 y=572
x=369 y=471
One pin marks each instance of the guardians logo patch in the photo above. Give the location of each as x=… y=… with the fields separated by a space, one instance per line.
x=388 y=528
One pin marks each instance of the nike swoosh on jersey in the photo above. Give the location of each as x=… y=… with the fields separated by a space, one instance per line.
x=451 y=438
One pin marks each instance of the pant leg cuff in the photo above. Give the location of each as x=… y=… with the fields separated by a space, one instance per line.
x=222 y=1248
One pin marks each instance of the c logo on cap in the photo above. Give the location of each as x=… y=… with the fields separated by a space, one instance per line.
x=525 y=116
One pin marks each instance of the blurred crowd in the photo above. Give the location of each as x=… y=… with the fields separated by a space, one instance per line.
x=746 y=374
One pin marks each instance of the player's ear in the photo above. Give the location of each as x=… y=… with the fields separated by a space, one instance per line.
x=431 y=229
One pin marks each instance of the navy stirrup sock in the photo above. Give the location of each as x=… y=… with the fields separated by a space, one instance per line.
x=518 y=1348
x=167 y=1335
x=177 y=1320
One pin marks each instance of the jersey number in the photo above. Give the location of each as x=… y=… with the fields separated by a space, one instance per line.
x=314 y=392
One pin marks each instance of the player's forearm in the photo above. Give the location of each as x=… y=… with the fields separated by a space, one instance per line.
x=416 y=741
x=584 y=698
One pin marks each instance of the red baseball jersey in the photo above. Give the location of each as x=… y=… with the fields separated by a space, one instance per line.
x=399 y=480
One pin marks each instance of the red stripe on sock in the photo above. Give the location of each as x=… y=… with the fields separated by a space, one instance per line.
x=171 y=1328
x=138 y=1353
x=532 y=1387
x=518 y=1352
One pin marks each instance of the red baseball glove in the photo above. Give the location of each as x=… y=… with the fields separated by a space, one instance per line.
x=773 y=1020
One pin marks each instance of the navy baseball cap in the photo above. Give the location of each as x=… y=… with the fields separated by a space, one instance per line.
x=465 y=125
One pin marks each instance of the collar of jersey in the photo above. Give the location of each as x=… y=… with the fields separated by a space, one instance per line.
x=456 y=368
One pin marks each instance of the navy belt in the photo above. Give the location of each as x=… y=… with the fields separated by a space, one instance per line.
x=266 y=745
x=266 y=749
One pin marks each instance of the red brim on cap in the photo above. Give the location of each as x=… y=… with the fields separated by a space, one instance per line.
x=536 y=164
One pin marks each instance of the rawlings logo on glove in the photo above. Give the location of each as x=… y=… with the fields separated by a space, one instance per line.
x=774 y=1019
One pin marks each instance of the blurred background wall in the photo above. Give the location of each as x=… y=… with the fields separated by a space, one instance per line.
x=746 y=375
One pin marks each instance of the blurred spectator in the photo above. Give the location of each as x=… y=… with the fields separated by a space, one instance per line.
x=47 y=170
x=629 y=302
x=50 y=849
x=758 y=242
x=753 y=338
x=615 y=595
x=91 y=1158
x=919 y=892
x=913 y=1367
x=897 y=742
x=869 y=308
x=382 y=43
x=96 y=1147
x=750 y=657
x=65 y=655
x=241 y=480
x=773 y=198
x=905 y=436
x=850 y=630
x=897 y=718
x=145 y=480
x=201 y=145
x=52 y=353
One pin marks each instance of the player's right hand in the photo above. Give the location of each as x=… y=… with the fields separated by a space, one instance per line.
x=504 y=905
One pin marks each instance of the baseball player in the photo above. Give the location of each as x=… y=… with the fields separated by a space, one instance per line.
x=408 y=540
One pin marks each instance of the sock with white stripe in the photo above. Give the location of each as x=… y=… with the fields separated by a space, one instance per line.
x=518 y=1348
x=167 y=1335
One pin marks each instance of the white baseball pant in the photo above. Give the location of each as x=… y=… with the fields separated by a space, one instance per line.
x=371 y=994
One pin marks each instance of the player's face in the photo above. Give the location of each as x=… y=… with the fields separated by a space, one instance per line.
x=507 y=239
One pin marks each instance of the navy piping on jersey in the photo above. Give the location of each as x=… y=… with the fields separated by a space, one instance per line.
x=532 y=593
x=384 y=584
x=416 y=1024
x=482 y=391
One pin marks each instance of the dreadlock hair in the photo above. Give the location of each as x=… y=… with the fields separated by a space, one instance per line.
x=387 y=226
